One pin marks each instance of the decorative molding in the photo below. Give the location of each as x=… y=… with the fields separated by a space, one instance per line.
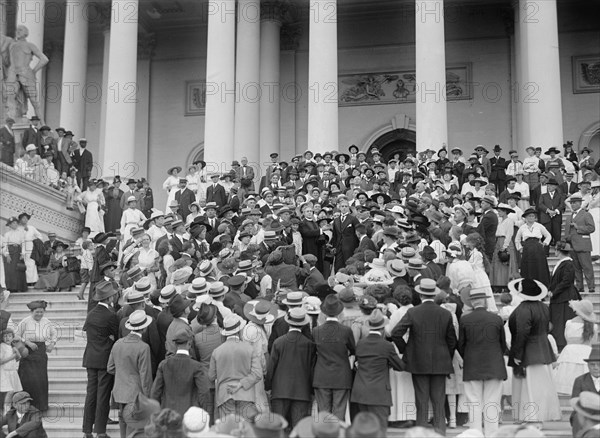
x=586 y=74
x=588 y=133
x=290 y=36
x=146 y=46
x=274 y=11
x=195 y=98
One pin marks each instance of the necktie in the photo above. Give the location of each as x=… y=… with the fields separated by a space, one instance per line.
x=343 y=217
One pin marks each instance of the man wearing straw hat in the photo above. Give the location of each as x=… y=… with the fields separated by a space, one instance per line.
x=482 y=345
x=428 y=352
x=587 y=414
x=589 y=381
x=578 y=230
x=235 y=369
x=130 y=363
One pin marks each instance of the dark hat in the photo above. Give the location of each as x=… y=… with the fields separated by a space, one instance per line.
x=594 y=354
x=274 y=155
x=552 y=181
x=529 y=211
x=58 y=243
x=528 y=289
x=586 y=149
x=104 y=289
x=172 y=169
x=69 y=134
x=428 y=253
x=236 y=280
x=37 y=304
x=104 y=266
x=22 y=215
x=45 y=128
x=11 y=219
x=497 y=148
x=332 y=306
x=552 y=150
x=178 y=304
x=206 y=314
x=59 y=129
x=377 y=320
x=392 y=232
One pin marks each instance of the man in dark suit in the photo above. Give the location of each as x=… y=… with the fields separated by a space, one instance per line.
x=216 y=192
x=498 y=173
x=551 y=207
x=86 y=163
x=539 y=190
x=130 y=364
x=488 y=225
x=344 y=239
x=578 y=229
x=587 y=382
x=568 y=187
x=245 y=175
x=428 y=353
x=310 y=232
x=23 y=419
x=482 y=344
x=332 y=376
x=180 y=382
x=102 y=258
x=290 y=370
x=280 y=326
x=177 y=239
x=7 y=143
x=131 y=191
x=375 y=356
x=32 y=134
x=364 y=241
x=315 y=277
x=102 y=328
x=184 y=197
x=211 y=219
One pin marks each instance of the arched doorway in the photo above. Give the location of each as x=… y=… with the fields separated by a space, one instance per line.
x=397 y=141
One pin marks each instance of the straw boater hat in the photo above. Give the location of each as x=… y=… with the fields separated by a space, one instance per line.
x=217 y=289
x=138 y=320
x=294 y=298
x=167 y=293
x=260 y=311
x=528 y=289
x=297 y=317
x=427 y=286
x=199 y=286
x=196 y=422
x=144 y=286
x=134 y=297
x=585 y=310
x=232 y=324
x=587 y=405
x=396 y=268
x=415 y=263
x=204 y=268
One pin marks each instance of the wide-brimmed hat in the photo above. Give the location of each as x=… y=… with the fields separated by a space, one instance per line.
x=217 y=289
x=167 y=293
x=552 y=150
x=294 y=298
x=377 y=263
x=396 y=267
x=332 y=306
x=529 y=211
x=428 y=253
x=232 y=324
x=104 y=289
x=377 y=320
x=427 y=286
x=58 y=243
x=37 y=304
x=312 y=305
x=391 y=232
x=260 y=311
x=138 y=320
x=594 y=354
x=386 y=198
x=297 y=317
x=170 y=171
x=505 y=207
x=477 y=180
x=585 y=310
x=528 y=289
x=587 y=405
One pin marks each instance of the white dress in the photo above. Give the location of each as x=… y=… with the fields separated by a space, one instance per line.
x=9 y=375
x=131 y=218
x=30 y=234
x=482 y=280
x=146 y=258
x=202 y=185
x=571 y=362
x=93 y=217
x=594 y=209
x=170 y=185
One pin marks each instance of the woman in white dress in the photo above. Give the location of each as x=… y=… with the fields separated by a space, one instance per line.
x=202 y=180
x=477 y=259
x=580 y=333
x=523 y=188
x=131 y=218
x=594 y=209
x=171 y=184
x=93 y=199
x=30 y=234
x=148 y=259
x=192 y=179
x=260 y=315
x=403 y=393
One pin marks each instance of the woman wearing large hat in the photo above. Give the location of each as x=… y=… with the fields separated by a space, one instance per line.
x=171 y=184
x=531 y=355
x=39 y=335
x=58 y=277
x=13 y=250
x=581 y=333
x=554 y=164
x=504 y=260
x=531 y=240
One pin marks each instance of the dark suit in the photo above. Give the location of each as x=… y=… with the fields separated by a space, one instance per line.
x=281 y=328
x=552 y=224
x=314 y=280
x=101 y=256
x=428 y=356
x=102 y=328
x=498 y=172
x=568 y=188
x=528 y=325
x=30 y=425
x=31 y=136
x=581 y=243
x=177 y=244
x=245 y=175
x=365 y=244
x=7 y=145
x=487 y=229
x=216 y=194
x=310 y=232
x=332 y=376
x=536 y=194
x=581 y=384
x=371 y=391
x=235 y=301
x=290 y=376
x=180 y=383
x=86 y=163
x=344 y=239
x=562 y=286
x=150 y=337
x=184 y=197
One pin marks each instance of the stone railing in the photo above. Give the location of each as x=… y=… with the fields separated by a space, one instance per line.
x=46 y=205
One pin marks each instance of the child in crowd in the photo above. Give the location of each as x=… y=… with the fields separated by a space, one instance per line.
x=9 y=377
x=62 y=182
x=296 y=236
x=506 y=300
x=87 y=262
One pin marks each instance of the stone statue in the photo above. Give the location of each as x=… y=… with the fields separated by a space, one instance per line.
x=18 y=78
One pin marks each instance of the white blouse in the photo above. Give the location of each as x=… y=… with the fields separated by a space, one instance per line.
x=37 y=331
x=537 y=231
x=506 y=229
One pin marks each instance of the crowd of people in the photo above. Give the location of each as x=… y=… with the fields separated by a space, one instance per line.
x=366 y=288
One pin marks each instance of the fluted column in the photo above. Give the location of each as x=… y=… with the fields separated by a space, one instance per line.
x=246 y=140
x=431 y=110
x=541 y=122
x=72 y=102
x=119 y=143
x=220 y=85
x=103 y=11
x=322 y=76
x=146 y=46
x=270 y=27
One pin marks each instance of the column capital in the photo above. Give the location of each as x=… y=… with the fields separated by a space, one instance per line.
x=146 y=46
x=290 y=36
x=104 y=13
x=274 y=11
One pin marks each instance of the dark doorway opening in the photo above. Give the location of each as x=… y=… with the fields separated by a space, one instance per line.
x=398 y=141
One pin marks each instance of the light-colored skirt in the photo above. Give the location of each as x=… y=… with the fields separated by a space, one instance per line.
x=534 y=397
x=571 y=364
x=595 y=236
x=403 y=397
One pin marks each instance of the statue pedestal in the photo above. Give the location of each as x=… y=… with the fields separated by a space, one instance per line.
x=19 y=128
